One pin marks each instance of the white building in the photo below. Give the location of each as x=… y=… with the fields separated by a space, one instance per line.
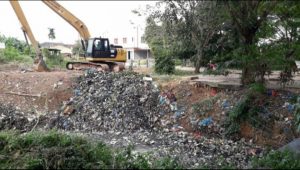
x=134 y=42
x=2 y=45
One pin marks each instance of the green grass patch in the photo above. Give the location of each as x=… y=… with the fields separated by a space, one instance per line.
x=10 y=55
x=54 y=150
x=56 y=62
x=277 y=160
x=249 y=109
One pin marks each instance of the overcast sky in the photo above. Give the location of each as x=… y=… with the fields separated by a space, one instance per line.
x=103 y=18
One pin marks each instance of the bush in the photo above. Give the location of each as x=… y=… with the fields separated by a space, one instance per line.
x=53 y=60
x=53 y=150
x=248 y=110
x=11 y=54
x=258 y=87
x=164 y=64
x=277 y=160
x=178 y=62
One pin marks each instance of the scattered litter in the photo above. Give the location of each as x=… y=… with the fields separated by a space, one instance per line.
x=206 y=122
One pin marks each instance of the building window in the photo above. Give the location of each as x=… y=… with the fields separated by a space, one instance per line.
x=124 y=40
x=116 y=41
x=142 y=39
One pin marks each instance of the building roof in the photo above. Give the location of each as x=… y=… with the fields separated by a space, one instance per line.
x=51 y=44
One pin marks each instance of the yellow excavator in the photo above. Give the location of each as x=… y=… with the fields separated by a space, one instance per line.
x=99 y=53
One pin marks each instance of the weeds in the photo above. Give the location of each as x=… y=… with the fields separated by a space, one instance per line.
x=11 y=54
x=249 y=109
x=204 y=106
x=277 y=160
x=53 y=150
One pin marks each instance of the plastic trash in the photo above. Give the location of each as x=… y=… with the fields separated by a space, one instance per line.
x=162 y=100
x=77 y=92
x=173 y=106
x=290 y=107
x=269 y=92
x=225 y=104
x=177 y=114
x=206 y=122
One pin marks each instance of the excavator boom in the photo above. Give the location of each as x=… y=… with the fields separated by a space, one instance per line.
x=98 y=52
x=41 y=66
x=71 y=19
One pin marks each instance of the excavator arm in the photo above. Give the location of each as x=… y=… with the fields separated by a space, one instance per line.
x=103 y=57
x=41 y=66
x=71 y=19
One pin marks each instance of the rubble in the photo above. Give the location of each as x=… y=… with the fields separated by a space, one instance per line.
x=110 y=101
x=13 y=119
x=126 y=108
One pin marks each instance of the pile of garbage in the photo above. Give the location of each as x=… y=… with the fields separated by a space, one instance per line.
x=110 y=101
x=193 y=150
x=14 y=119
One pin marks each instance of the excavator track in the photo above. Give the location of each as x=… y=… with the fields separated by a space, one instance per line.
x=104 y=66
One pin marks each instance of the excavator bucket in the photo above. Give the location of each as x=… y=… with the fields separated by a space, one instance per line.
x=40 y=65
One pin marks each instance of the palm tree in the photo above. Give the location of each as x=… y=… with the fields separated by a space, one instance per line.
x=51 y=34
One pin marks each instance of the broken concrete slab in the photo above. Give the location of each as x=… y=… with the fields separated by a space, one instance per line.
x=293 y=146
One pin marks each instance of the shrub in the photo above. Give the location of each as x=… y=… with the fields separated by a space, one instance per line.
x=11 y=54
x=53 y=150
x=164 y=64
x=277 y=160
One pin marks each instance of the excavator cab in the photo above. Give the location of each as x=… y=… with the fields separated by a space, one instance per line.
x=100 y=48
x=101 y=55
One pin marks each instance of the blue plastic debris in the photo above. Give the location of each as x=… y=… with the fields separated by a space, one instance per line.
x=66 y=124
x=206 y=122
x=269 y=92
x=290 y=107
x=225 y=104
x=162 y=100
x=161 y=112
x=77 y=92
x=177 y=114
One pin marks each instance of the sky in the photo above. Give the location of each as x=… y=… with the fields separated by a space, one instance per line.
x=103 y=18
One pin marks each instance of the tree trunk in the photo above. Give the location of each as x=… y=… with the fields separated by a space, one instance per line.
x=198 y=61
x=248 y=75
x=197 y=67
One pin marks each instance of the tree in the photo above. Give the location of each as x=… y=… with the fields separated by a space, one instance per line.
x=51 y=34
x=248 y=17
x=77 y=48
x=188 y=28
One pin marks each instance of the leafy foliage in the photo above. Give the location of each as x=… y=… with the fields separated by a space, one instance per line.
x=53 y=150
x=53 y=60
x=77 y=48
x=51 y=34
x=249 y=109
x=255 y=36
x=164 y=64
x=277 y=160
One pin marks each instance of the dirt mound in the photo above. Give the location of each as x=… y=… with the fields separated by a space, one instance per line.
x=36 y=91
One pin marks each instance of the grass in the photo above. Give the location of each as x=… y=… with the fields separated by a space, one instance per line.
x=277 y=160
x=12 y=56
x=56 y=62
x=248 y=109
x=54 y=150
